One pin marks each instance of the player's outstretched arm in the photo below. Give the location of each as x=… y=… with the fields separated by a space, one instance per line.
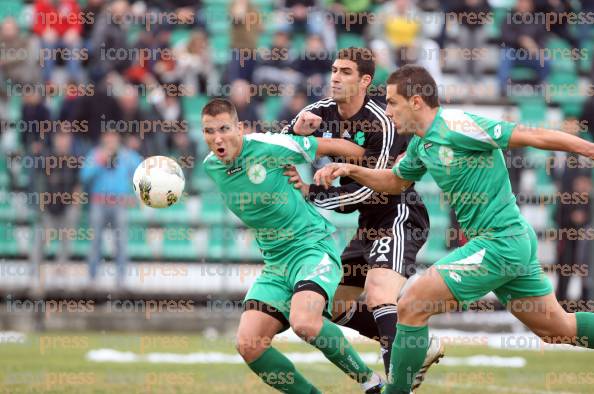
x=550 y=140
x=382 y=181
x=341 y=148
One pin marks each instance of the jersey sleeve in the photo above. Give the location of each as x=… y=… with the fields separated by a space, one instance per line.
x=313 y=108
x=294 y=149
x=481 y=134
x=348 y=197
x=410 y=167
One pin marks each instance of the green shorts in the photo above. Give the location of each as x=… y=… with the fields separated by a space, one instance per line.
x=319 y=263
x=506 y=265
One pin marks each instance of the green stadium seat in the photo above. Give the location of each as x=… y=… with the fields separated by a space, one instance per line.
x=179 y=36
x=346 y=40
x=216 y=243
x=212 y=209
x=178 y=243
x=272 y=108
x=192 y=106
x=8 y=244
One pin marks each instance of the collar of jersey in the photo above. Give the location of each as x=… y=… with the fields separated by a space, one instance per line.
x=432 y=123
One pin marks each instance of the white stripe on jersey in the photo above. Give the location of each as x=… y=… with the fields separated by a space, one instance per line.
x=364 y=192
x=280 y=140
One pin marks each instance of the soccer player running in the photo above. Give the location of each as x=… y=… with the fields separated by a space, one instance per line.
x=463 y=154
x=391 y=229
x=302 y=268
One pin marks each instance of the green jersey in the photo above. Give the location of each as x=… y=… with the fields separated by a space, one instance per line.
x=255 y=189
x=463 y=154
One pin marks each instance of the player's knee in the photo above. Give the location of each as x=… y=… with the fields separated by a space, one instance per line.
x=305 y=327
x=249 y=348
x=376 y=295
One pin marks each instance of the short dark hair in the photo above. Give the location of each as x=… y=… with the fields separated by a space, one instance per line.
x=219 y=106
x=363 y=57
x=412 y=80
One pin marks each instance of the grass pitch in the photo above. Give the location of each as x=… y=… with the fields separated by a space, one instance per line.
x=57 y=363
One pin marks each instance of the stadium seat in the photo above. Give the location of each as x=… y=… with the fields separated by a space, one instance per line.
x=8 y=245
x=212 y=210
x=346 y=40
x=178 y=243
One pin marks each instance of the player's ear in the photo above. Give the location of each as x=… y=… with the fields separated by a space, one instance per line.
x=366 y=80
x=240 y=127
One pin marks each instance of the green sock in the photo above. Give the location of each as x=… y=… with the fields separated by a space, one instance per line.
x=408 y=353
x=279 y=372
x=585 y=329
x=340 y=352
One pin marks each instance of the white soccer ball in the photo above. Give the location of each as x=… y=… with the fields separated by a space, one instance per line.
x=159 y=182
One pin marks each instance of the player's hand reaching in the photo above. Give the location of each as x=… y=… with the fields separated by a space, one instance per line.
x=296 y=180
x=330 y=172
x=307 y=123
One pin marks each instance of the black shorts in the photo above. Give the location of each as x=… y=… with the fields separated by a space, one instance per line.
x=393 y=243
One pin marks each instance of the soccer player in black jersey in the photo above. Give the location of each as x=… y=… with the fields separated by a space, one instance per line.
x=392 y=228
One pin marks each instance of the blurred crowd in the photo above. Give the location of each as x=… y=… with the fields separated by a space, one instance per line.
x=103 y=67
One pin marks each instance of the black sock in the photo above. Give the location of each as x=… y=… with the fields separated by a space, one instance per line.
x=359 y=318
x=385 y=316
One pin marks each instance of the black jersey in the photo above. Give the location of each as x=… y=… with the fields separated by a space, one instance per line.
x=373 y=130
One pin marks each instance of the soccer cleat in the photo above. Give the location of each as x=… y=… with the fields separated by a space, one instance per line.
x=374 y=385
x=435 y=352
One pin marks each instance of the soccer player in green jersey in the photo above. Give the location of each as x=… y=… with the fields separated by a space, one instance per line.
x=463 y=154
x=302 y=267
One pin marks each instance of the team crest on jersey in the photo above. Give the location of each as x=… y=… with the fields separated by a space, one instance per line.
x=256 y=174
x=360 y=138
x=497 y=131
x=446 y=155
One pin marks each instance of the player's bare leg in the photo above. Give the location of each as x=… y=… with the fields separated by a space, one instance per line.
x=307 y=321
x=427 y=296
x=547 y=319
x=254 y=336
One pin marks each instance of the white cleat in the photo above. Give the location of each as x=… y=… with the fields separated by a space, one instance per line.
x=435 y=352
x=374 y=385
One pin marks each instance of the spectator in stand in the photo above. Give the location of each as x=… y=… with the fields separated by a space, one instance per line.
x=350 y=16
x=58 y=24
x=184 y=150
x=136 y=137
x=108 y=37
x=246 y=26
x=20 y=60
x=106 y=174
x=306 y=16
x=243 y=100
x=472 y=34
x=402 y=28
x=559 y=8
x=573 y=252
x=522 y=43
x=33 y=113
x=61 y=215
x=314 y=65
x=168 y=110
x=277 y=68
x=98 y=111
x=194 y=67
x=290 y=111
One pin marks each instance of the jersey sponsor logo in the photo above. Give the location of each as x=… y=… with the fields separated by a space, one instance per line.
x=446 y=155
x=497 y=131
x=234 y=170
x=256 y=174
x=428 y=145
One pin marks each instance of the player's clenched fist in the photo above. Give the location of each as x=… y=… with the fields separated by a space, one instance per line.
x=307 y=123
x=330 y=172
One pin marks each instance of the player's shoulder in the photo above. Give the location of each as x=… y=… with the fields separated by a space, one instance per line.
x=211 y=162
x=376 y=112
x=322 y=105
